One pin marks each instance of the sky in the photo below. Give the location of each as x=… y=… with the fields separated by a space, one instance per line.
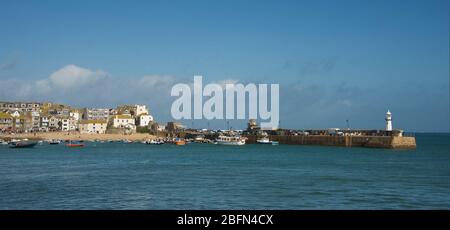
x=334 y=60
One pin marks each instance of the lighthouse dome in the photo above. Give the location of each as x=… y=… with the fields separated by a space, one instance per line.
x=388 y=112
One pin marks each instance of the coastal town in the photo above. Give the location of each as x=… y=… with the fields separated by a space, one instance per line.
x=134 y=123
x=29 y=117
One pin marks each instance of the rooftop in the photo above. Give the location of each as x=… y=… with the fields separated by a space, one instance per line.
x=123 y=116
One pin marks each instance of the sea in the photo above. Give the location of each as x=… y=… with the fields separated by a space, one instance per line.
x=206 y=176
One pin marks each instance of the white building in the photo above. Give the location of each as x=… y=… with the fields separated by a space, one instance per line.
x=53 y=123
x=74 y=118
x=92 y=126
x=73 y=124
x=36 y=120
x=144 y=120
x=75 y=115
x=140 y=109
x=44 y=123
x=123 y=121
x=388 y=121
x=65 y=124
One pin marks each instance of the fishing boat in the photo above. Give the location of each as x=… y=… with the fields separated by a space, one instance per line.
x=179 y=141
x=266 y=141
x=23 y=144
x=230 y=140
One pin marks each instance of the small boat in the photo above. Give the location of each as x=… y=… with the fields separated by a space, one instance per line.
x=75 y=144
x=263 y=140
x=199 y=139
x=179 y=141
x=154 y=142
x=230 y=140
x=54 y=142
x=2 y=142
x=12 y=141
x=127 y=141
x=23 y=144
x=266 y=141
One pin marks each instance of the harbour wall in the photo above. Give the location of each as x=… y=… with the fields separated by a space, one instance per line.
x=343 y=141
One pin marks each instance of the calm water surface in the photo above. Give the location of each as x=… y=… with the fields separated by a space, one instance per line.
x=202 y=176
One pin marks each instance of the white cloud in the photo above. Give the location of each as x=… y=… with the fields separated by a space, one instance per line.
x=42 y=86
x=72 y=76
x=83 y=87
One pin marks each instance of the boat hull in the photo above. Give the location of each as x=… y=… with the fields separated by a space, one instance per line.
x=264 y=142
x=23 y=145
x=180 y=142
x=75 y=145
x=154 y=143
x=230 y=143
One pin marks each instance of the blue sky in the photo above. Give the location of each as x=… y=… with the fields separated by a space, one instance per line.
x=334 y=60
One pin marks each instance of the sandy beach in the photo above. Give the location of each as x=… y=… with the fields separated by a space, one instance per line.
x=77 y=136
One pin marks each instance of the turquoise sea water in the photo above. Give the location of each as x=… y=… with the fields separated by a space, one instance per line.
x=204 y=176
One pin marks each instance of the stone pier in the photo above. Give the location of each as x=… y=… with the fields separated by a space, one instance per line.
x=393 y=142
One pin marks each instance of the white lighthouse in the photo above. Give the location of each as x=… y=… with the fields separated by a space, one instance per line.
x=388 y=121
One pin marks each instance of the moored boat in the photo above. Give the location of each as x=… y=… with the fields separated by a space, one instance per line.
x=75 y=144
x=266 y=141
x=230 y=140
x=155 y=142
x=179 y=141
x=23 y=144
x=54 y=142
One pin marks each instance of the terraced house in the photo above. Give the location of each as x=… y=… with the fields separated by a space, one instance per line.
x=22 y=106
x=92 y=126
x=48 y=116
x=6 y=121
x=95 y=114
x=123 y=121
